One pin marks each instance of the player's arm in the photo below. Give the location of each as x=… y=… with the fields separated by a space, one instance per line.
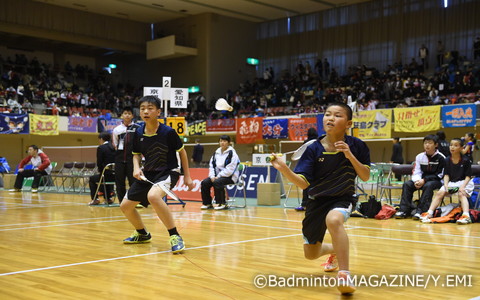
x=137 y=171
x=186 y=171
x=294 y=178
x=362 y=170
x=114 y=139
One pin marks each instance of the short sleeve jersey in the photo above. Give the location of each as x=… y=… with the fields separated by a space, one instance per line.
x=331 y=174
x=158 y=149
x=458 y=172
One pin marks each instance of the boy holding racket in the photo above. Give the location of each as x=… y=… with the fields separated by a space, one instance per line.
x=328 y=168
x=158 y=143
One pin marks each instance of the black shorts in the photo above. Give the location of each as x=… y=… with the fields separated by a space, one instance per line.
x=139 y=189
x=314 y=224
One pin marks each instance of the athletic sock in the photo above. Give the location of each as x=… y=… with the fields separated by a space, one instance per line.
x=173 y=231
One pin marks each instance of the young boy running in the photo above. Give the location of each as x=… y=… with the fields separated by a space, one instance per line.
x=158 y=144
x=329 y=167
x=456 y=180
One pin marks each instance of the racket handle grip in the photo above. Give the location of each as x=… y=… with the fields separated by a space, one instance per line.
x=272 y=158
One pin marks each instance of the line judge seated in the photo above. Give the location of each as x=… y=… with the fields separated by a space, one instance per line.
x=41 y=166
x=222 y=171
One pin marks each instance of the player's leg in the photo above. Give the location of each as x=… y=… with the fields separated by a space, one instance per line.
x=136 y=194
x=334 y=221
x=427 y=195
x=155 y=197
x=435 y=203
x=120 y=179
x=205 y=187
x=408 y=189
x=140 y=235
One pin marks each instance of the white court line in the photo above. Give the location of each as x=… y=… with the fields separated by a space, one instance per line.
x=140 y=255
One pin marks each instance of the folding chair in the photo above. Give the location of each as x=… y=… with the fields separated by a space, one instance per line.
x=89 y=169
x=240 y=184
x=287 y=196
x=102 y=182
x=389 y=184
x=47 y=180
x=63 y=174
x=372 y=182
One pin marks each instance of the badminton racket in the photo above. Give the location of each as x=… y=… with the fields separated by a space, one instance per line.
x=296 y=154
x=163 y=187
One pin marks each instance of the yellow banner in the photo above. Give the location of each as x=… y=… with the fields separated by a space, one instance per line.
x=43 y=125
x=373 y=124
x=177 y=123
x=417 y=119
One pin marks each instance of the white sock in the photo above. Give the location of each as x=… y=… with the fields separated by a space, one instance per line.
x=430 y=212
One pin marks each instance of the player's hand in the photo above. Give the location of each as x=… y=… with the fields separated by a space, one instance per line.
x=341 y=146
x=277 y=163
x=213 y=178
x=189 y=183
x=138 y=174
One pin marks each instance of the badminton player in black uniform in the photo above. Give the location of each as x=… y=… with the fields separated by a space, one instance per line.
x=158 y=143
x=329 y=167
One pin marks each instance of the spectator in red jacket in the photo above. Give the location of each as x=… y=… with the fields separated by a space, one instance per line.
x=41 y=166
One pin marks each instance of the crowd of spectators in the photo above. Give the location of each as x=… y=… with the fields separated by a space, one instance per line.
x=399 y=85
x=26 y=86
x=31 y=86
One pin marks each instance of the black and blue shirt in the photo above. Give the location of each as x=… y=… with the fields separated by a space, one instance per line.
x=158 y=149
x=331 y=173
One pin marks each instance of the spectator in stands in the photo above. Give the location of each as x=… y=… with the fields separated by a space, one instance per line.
x=456 y=180
x=326 y=68
x=122 y=141
x=223 y=171
x=440 y=53
x=423 y=54
x=427 y=175
x=197 y=155
x=105 y=156
x=443 y=144
x=41 y=166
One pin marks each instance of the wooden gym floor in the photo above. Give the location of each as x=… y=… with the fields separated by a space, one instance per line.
x=54 y=246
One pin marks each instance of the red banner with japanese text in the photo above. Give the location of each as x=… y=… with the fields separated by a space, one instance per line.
x=249 y=130
x=298 y=128
x=44 y=125
x=417 y=119
x=220 y=125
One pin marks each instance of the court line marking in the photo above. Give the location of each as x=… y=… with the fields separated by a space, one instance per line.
x=153 y=216
x=141 y=255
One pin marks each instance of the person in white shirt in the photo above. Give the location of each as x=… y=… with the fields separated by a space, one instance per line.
x=122 y=141
x=223 y=171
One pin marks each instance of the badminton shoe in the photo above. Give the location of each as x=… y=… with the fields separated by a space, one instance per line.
x=177 y=243
x=331 y=264
x=137 y=238
x=464 y=220
x=344 y=283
